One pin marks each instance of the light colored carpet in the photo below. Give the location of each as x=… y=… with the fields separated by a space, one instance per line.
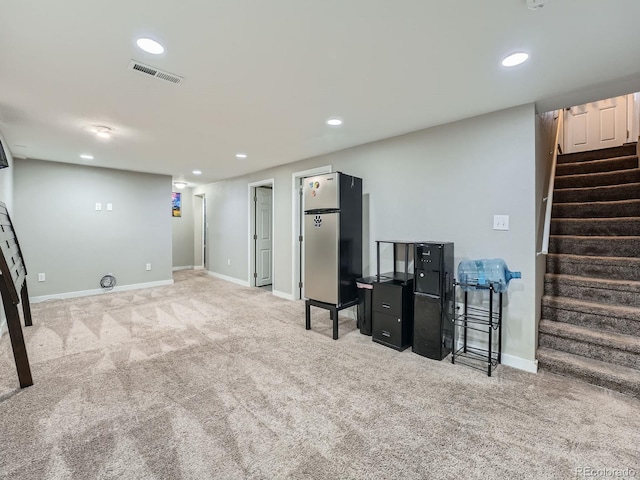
x=209 y=380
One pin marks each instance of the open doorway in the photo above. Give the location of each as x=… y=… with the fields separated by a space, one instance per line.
x=199 y=232
x=297 y=221
x=261 y=220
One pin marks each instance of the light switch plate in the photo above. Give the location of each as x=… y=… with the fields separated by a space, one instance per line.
x=98 y=206
x=501 y=222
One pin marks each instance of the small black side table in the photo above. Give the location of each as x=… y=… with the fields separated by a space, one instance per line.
x=333 y=312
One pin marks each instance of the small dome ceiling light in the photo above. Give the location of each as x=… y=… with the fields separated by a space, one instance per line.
x=241 y=155
x=197 y=172
x=334 y=122
x=101 y=131
x=150 y=46
x=535 y=4
x=180 y=184
x=515 y=59
x=86 y=156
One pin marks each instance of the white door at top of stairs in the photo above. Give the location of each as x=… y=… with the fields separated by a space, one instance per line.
x=595 y=125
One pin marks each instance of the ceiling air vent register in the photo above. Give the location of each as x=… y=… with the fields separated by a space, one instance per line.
x=154 y=72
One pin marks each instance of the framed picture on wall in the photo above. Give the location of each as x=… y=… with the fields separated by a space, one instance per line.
x=176 y=204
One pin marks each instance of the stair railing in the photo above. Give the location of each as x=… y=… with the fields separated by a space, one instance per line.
x=549 y=198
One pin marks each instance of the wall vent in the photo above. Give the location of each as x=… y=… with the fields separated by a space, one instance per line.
x=154 y=72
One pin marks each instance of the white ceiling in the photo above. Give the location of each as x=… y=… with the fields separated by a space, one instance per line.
x=262 y=77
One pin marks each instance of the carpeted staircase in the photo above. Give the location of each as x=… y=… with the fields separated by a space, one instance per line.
x=590 y=326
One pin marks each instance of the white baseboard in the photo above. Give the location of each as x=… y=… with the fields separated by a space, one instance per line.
x=237 y=281
x=520 y=363
x=199 y=267
x=286 y=296
x=186 y=267
x=530 y=366
x=99 y=291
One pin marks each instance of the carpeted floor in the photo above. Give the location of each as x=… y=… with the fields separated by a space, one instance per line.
x=209 y=380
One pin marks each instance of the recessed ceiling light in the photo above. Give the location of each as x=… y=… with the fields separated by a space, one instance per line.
x=241 y=155
x=197 y=172
x=515 y=59
x=150 y=46
x=334 y=122
x=180 y=184
x=86 y=156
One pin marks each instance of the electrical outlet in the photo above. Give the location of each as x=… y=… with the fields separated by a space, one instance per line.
x=98 y=207
x=148 y=267
x=228 y=261
x=42 y=277
x=501 y=222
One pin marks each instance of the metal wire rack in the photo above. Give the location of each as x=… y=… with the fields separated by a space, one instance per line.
x=486 y=320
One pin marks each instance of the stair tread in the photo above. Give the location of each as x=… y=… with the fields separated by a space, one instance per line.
x=614 y=203
x=602 y=174
x=588 y=307
x=597 y=219
x=594 y=187
x=627 y=343
x=599 y=237
x=592 y=281
x=618 y=373
x=591 y=259
x=608 y=152
x=596 y=162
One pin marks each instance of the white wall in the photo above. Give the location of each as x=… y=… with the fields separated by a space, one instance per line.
x=182 y=231
x=443 y=183
x=63 y=236
x=6 y=196
x=546 y=124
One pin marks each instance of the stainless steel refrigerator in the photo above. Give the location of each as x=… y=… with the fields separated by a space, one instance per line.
x=332 y=237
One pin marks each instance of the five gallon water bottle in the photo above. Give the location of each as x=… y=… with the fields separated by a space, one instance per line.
x=485 y=272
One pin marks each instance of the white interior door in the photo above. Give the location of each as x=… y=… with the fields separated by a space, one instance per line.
x=264 y=236
x=198 y=231
x=595 y=125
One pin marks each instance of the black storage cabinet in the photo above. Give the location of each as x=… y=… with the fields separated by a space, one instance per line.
x=393 y=313
x=365 y=293
x=393 y=298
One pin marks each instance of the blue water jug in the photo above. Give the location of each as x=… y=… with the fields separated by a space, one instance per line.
x=485 y=272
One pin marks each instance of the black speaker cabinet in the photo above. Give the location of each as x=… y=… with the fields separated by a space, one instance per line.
x=432 y=327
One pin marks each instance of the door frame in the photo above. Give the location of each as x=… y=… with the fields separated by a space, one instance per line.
x=297 y=273
x=268 y=182
x=633 y=113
